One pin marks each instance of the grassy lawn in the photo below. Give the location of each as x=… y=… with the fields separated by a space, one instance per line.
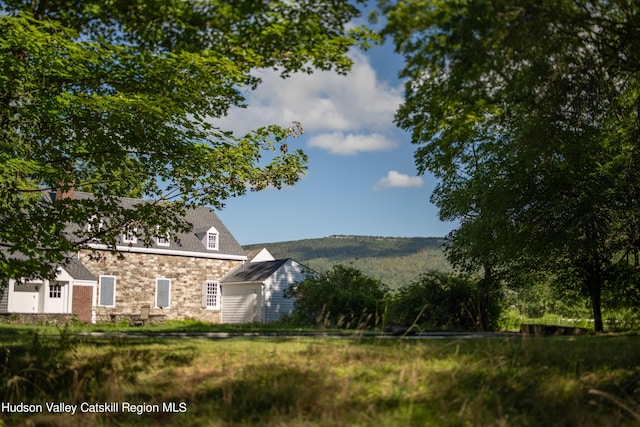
x=170 y=326
x=569 y=381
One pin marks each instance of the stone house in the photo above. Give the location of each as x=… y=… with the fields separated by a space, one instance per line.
x=171 y=278
x=177 y=278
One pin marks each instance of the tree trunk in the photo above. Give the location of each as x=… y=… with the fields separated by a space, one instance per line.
x=594 y=285
x=597 y=311
x=484 y=299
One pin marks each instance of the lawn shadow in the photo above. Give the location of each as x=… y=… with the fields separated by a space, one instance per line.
x=261 y=392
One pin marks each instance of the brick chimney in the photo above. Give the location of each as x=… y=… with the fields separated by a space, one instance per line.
x=62 y=193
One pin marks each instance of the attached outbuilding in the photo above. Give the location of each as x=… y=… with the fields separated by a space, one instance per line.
x=72 y=292
x=255 y=291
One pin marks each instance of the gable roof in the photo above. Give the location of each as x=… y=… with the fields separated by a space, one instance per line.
x=259 y=255
x=201 y=218
x=73 y=267
x=254 y=271
x=78 y=271
x=205 y=218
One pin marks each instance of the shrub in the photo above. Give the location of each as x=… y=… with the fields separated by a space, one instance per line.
x=441 y=300
x=341 y=297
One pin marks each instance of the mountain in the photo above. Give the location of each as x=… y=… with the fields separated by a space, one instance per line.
x=394 y=260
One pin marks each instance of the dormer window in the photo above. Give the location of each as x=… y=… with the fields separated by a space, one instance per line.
x=209 y=237
x=162 y=239
x=94 y=225
x=212 y=240
x=130 y=235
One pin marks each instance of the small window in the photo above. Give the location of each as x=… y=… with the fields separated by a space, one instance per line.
x=163 y=240
x=163 y=293
x=107 y=291
x=212 y=241
x=94 y=226
x=130 y=235
x=55 y=291
x=211 y=295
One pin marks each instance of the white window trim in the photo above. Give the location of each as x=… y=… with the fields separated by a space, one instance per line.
x=100 y=290
x=163 y=241
x=217 y=240
x=130 y=231
x=215 y=307
x=90 y=228
x=55 y=290
x=169 y=298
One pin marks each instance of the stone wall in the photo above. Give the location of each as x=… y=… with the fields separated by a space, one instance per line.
x=37 y=318
x=136 y=276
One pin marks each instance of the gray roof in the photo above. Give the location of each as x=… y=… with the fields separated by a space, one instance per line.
x=254 y=271
x=201 y=218
x=73 y=266
x=78 y=271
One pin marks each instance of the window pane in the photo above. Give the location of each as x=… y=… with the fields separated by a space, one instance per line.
x=212 y=241
x=212 y=295
x=163 y=241
x=107 y=290
x=130 y=235
x=163 y=290
x=55 y=291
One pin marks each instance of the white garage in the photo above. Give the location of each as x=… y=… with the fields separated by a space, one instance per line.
x=255 y=291
x=242 y=303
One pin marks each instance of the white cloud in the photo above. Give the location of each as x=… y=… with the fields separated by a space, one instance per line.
x=398 y=180
x=349 y=144
x=323 y=101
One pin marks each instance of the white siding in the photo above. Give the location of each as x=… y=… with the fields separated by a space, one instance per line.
x=36 y=297
x=275 y=303
x=25 y=297
x=263 y=255
x=4 y=298
x=242 y=303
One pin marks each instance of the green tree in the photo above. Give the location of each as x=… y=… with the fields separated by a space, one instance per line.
x=121 y=97
x=528 y=113
x=342 y=297
x=444 y=300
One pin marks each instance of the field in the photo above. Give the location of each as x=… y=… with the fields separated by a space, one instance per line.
x=579 y=381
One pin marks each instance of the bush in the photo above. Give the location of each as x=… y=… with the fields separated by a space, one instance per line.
x=447 y=301
x=342 y=297
x=621 y=297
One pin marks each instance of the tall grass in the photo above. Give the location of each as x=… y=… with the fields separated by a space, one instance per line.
x=585 y=381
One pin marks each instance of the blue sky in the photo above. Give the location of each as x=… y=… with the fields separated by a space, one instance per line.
x=361 y=179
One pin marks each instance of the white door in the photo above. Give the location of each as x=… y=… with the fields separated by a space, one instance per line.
x=241 y=303
x=56 y=297
x=25 y=298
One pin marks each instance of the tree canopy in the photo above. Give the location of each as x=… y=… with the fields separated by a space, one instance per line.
x=529 y=114
x=442 y=300
x=120 y=98
x=342 y=297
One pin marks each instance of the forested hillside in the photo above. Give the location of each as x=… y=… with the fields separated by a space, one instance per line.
x=394 y=260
